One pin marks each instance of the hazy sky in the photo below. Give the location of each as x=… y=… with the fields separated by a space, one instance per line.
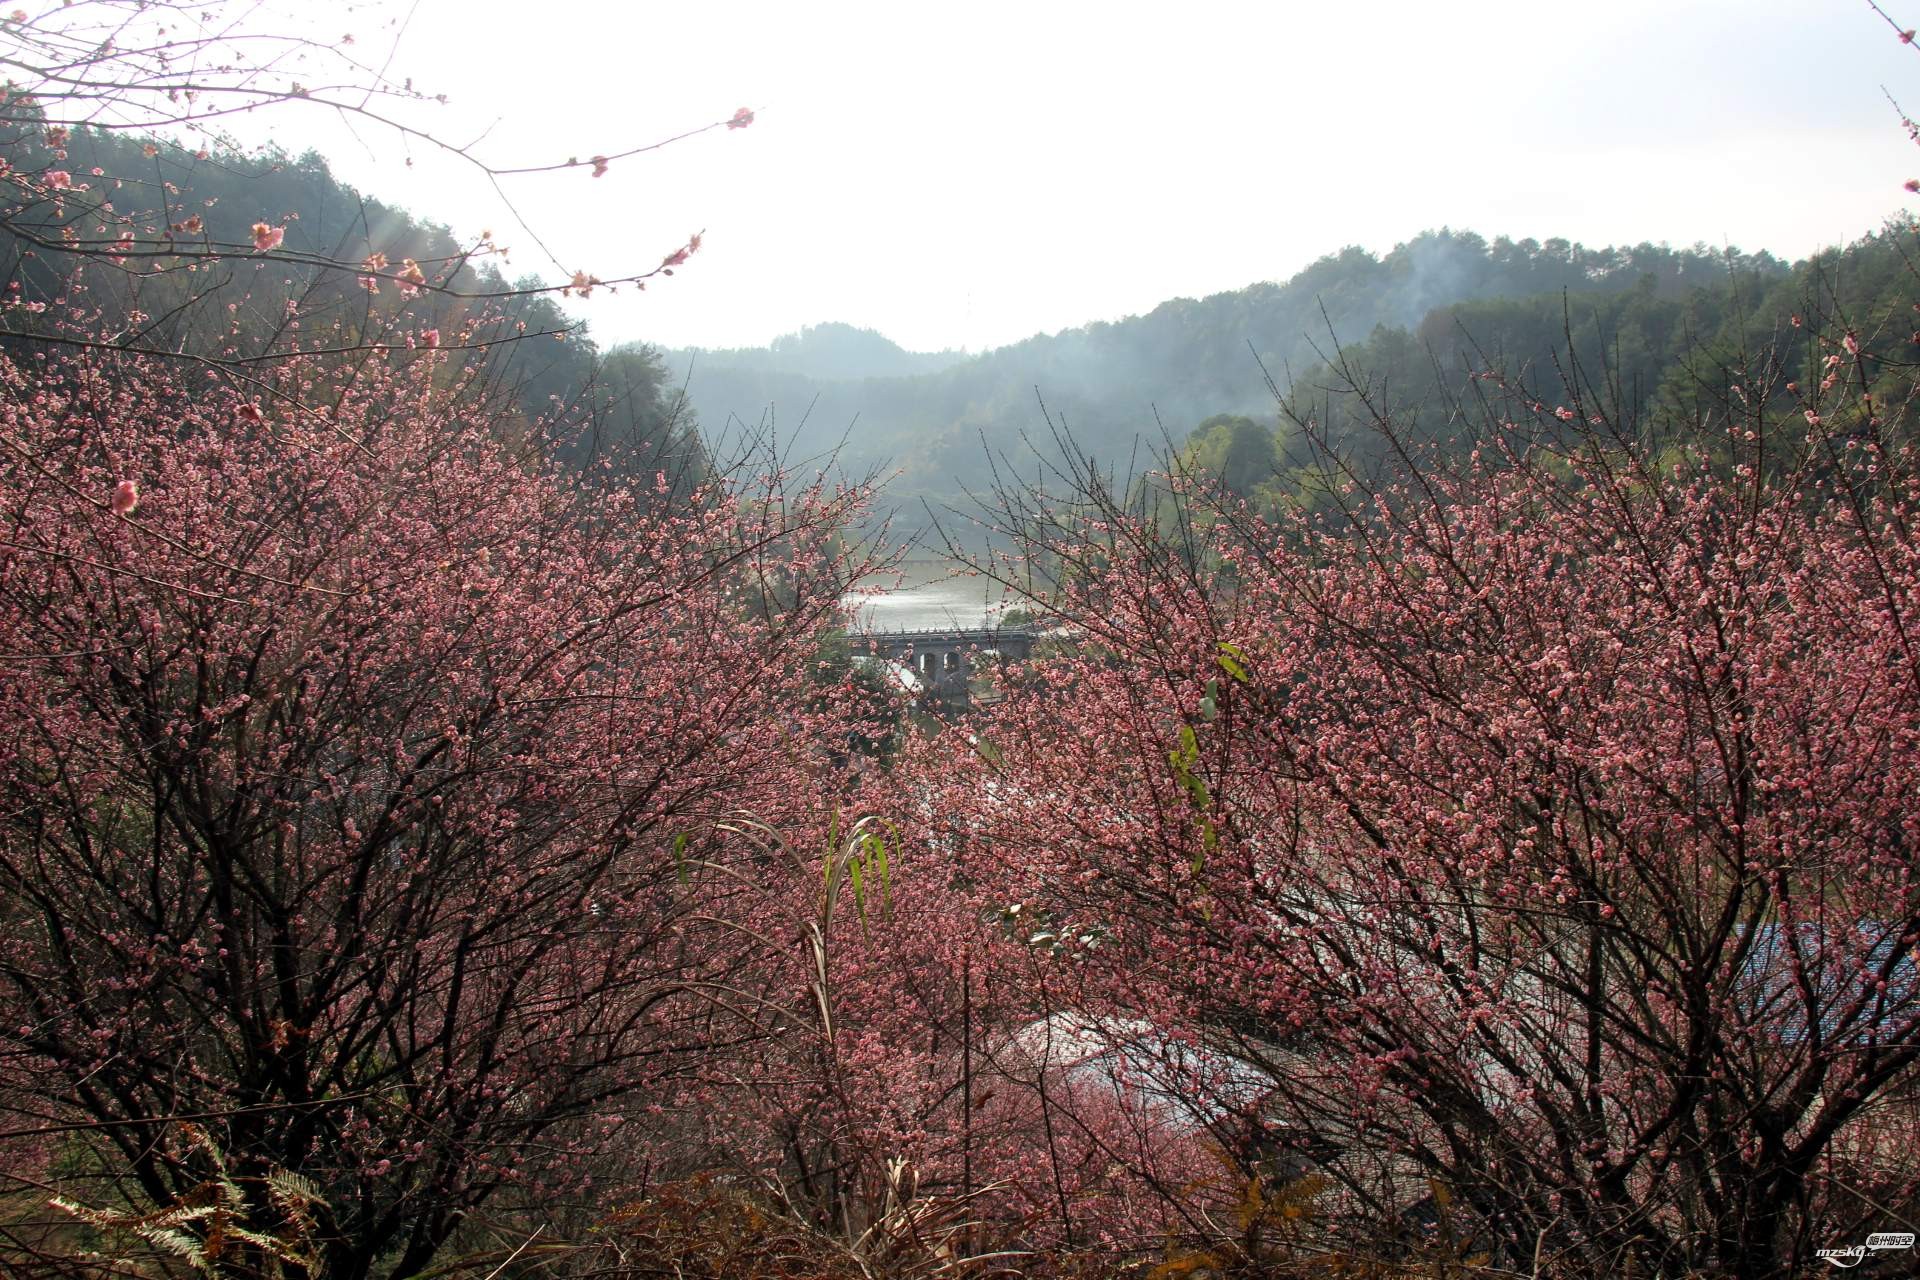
x=969 y=174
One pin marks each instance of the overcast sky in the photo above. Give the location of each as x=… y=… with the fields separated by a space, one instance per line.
x=968 y=174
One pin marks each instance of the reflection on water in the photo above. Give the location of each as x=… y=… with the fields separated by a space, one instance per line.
x=926 y=596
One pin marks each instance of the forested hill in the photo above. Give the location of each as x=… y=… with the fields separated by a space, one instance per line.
x=1655 y=361
x=830 y=352
x=1413 y=318
x=597 y=405
x=1186 y=360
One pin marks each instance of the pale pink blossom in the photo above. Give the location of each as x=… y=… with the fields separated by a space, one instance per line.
x=411 y=278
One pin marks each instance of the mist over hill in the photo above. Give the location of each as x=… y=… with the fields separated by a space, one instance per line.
x=940 y=419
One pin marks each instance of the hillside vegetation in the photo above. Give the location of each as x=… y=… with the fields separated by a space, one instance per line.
x=1116 y=384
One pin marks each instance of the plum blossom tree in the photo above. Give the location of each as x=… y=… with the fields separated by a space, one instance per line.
x=350 y=758
x=912 y=1109
x=1532 y=816
x=414 y=698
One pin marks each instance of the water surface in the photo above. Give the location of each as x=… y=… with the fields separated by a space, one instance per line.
x=926 y=595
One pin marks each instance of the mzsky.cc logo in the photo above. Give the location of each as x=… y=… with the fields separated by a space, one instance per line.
x=1852 y=1254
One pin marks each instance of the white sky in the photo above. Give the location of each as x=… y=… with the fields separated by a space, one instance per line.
x=970 y=174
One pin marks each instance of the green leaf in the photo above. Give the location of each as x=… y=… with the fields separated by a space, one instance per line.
x=1209 y=841
x=680 y=857
x=1233 y=660
x=880 y=869
x=1185 y=755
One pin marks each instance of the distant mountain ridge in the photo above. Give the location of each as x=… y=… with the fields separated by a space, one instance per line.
x=830 y=352
x=938 y=417
x=940 y=421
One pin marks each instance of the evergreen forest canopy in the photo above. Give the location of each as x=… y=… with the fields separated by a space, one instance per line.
x=1641 y=320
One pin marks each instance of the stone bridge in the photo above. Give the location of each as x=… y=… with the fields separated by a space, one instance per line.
x=943 y=657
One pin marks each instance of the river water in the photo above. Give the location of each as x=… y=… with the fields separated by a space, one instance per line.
x=925 y=595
